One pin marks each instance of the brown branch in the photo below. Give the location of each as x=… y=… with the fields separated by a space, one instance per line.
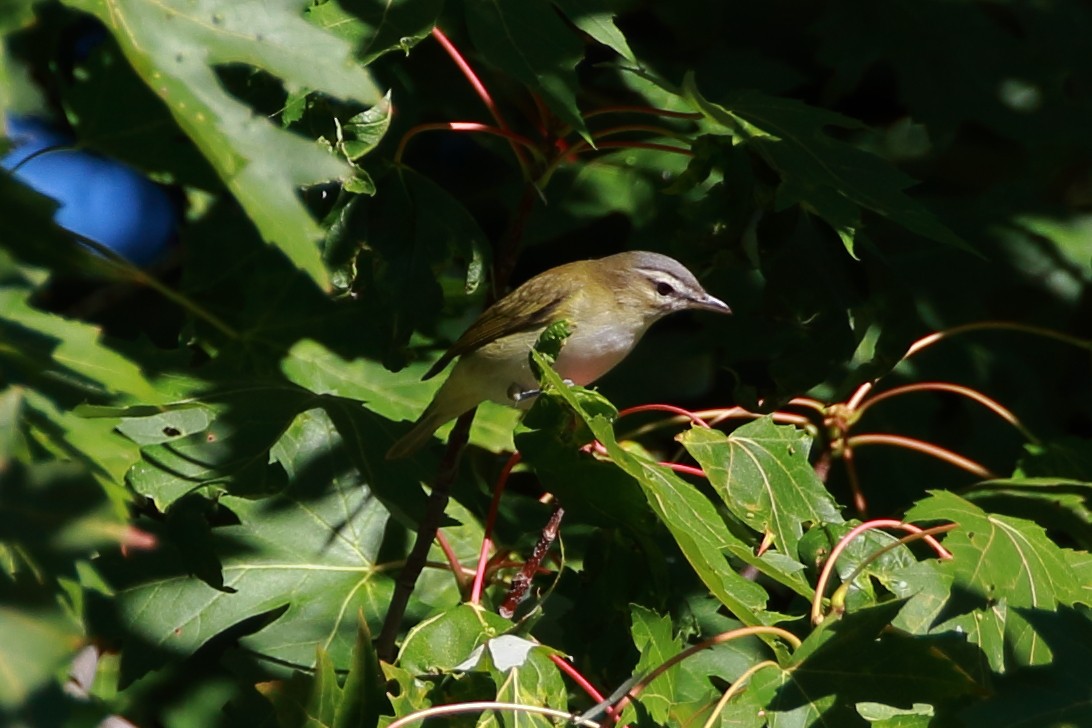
x=426 y=534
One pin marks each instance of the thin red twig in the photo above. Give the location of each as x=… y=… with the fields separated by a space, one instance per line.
x=483 y=94
x=583 y=682
x=480 y=706
x=697 y=420
x=810 y=403
x=487 y=539
x=731 y=413
x=474 y=126
x=452 y=559
x=923 y=447
x=579 y=679
x=471 y=76
x=686 y=469
x=931 y=339
x=854 y=479
x=715 y=416
x=858 y=396
x=721 y=638
x=543 y=115
x=993 y=405
x=828 y=566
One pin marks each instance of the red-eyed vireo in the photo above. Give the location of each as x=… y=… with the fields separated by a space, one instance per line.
x=609 y=303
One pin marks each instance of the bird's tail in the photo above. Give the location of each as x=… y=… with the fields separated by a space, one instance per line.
x=418 y=435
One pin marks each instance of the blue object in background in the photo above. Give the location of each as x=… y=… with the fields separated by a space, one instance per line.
x=101 y=199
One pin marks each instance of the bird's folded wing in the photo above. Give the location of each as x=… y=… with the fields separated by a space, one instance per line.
x=507 y=316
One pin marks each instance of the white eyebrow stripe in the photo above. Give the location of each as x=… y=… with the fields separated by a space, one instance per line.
x=662 y=275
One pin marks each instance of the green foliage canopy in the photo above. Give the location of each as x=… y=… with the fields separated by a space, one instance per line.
x=192 y=476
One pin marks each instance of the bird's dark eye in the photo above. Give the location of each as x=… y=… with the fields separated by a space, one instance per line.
x=664 y=289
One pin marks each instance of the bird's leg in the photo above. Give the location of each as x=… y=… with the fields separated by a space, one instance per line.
x=518 y=394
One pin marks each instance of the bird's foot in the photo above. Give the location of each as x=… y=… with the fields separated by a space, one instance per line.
x=518 y=394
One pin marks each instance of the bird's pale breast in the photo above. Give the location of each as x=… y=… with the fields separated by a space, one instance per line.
x=593 y=350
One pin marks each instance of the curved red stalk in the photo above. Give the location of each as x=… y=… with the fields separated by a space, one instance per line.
x=490 y=521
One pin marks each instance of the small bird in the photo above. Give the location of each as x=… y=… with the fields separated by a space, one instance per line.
x=609 y=303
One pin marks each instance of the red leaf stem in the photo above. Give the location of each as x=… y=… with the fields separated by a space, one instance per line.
x=490 y=521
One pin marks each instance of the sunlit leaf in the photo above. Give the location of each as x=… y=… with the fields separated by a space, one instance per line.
x=762 y=474
x=927 y=589
x=176 y=47
x=38 y=638
x=1057 y=503
x=537 y=681
x=230 y=452
x=363 y=132
x=999 y=557
x=655 y=644
x=1007 y=563
x=352 y=705
x=394 y=395
x=70 y=352
x=449 y=639
x=595 y=18
x=1050 y=696
x=1081 y=563
x=886 y=667
x=886 y=716
x=374 y=28
x=310 y=551
x=691 y=518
